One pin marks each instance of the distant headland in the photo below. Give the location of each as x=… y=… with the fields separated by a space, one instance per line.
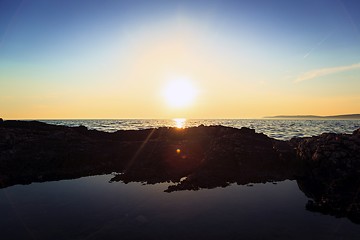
x=340 y=117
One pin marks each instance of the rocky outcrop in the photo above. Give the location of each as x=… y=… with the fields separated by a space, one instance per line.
x=332 y=176
x=242 y=157
x=330 y=155
x=327 y=167
x=31 y=151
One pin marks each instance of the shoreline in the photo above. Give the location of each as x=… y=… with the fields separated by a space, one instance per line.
x=325 y=166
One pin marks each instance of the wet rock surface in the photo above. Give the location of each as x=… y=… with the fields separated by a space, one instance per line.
x=326 y=167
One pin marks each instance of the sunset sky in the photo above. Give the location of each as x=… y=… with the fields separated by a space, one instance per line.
x=238 y=59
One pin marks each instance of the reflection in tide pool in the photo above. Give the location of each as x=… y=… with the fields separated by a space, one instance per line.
x=92 y=208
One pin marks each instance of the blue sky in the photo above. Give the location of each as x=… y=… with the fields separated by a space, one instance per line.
x=53 y=51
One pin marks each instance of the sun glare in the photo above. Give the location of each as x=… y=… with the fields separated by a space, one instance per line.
x=179 y=122
x=179 y=93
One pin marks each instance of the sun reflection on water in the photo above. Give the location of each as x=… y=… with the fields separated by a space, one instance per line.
x=179 y=122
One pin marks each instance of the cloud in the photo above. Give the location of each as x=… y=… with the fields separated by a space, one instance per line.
x=325 y=71
x=318 y=44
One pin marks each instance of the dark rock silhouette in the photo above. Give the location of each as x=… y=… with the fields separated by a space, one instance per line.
x=327 y=167
x=332 y=177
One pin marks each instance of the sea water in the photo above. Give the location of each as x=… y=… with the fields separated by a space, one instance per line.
x=279 y=129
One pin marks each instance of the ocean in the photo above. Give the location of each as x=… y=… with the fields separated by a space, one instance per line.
x=278 y=129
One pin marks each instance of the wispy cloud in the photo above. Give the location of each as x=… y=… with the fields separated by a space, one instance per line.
x=325 y=71
x=318 y=44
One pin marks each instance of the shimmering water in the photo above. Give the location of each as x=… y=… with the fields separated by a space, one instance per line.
x=279 y=129
x=92 y=208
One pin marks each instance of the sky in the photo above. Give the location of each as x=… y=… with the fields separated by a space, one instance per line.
x=84 y=59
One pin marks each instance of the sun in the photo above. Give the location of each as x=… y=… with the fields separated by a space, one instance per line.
x=179 y=93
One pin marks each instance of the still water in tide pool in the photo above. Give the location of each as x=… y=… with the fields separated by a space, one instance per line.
x=279 y=129
x=93 y=208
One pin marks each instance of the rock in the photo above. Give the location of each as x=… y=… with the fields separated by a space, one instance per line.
x=232 y=155
x=246 y=130
x=332 y=177
x=151 y=155
x=357 y=132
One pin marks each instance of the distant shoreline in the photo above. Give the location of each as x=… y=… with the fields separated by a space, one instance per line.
x=333 y=117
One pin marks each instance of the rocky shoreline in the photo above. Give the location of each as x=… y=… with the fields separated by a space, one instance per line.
x=326 y=167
